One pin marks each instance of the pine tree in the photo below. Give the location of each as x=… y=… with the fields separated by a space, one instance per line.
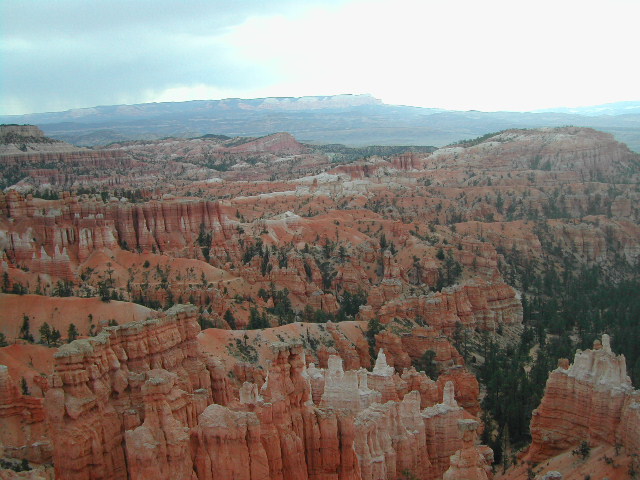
x=427 y=364
x=55 y=337
x=257 y=321
x=72 y=333
x=45 y=333
x=230 y=319
x=25 y=330
x=24 y=387
x=373 y=328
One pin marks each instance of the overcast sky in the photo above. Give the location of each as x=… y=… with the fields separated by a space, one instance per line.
x=458 y=54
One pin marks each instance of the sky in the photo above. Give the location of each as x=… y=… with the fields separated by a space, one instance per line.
x=457 y=54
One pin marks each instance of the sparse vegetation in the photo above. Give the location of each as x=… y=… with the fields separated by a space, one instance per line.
x=583 y=450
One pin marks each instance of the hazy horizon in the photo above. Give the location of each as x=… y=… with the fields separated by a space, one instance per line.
x=554 y=108
x=458 y=55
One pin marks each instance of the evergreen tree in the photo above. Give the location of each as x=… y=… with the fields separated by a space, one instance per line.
x=230 y=319
x=25 y=330
x=256 y=320
x=45 y=333
x=72 y=333
x=427 y=364
x=373 y=328
x=350 y=304
x=55 y=337
x=24 y=387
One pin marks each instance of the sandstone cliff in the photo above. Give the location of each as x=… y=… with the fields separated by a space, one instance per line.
x=143 y=377
x=24 y=432
x=587 y=422
x=141 y=400
x=608 y=414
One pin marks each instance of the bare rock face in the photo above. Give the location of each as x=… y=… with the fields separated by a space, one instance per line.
x=36 y=473
x=228 y=445
x=142 y=378
x=467 y=389
x=477 y=303
x=347 y=390
x=278 y=431
x=25 y=139
x=137 y=401
x=160 y=446
x=55 y=243
x=443 y=436
x=592 y=400
x=391 y=439
x=23 y=432
x=470 y=462
x=391 y=343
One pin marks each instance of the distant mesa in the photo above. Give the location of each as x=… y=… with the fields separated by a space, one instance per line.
x=354 y=120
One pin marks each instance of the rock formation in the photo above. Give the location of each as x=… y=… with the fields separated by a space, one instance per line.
x=142 y=378
x=470 y=462
x=136 y=401
x=609 y=406
x=482 y=304
x=23 y=432
x=314 y=251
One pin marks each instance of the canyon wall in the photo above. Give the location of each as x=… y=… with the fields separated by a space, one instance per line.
x=24 y=428
x=590 y=400
x=141 y=400
x=145 y=378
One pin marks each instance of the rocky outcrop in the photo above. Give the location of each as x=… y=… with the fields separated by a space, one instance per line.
x=56 y=243
x=467 y=389
x=443 y=436
x=391 y=440
x=160 y=446
x=21 y=130
x=346 y=390
x=478 y=303
x=592 y=154
x=38 y=473
x=228 y=445
x=332 y=415
x=23 y=427
x=24 y=139
x=142 y=378
x=595 y=242
x=283 y=143
x=275 y=432
x=69 y=160
x=471 y=462
x=403 y=350
x=141 y=401
x=592 y=400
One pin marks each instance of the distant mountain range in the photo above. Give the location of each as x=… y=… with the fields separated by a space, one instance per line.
x=354 y=120
x=617 y=108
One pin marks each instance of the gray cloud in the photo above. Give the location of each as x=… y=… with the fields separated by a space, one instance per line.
x=67 y=53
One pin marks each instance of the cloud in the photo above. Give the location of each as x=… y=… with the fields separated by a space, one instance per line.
x=73 y=53
x=455 y=54
x=461 y=54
